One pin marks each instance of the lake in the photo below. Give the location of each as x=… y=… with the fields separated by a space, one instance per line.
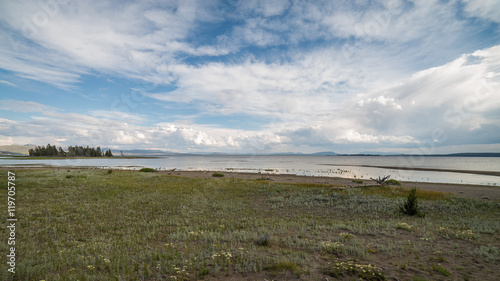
x=399 y=167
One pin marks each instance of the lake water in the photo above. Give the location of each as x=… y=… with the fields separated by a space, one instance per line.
x=322 y=166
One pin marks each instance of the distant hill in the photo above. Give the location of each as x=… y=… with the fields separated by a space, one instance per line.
x=15 y=149
x=469 y=154
x=325 y=153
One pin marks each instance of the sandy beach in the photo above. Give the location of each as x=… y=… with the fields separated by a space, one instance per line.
x=470 y=191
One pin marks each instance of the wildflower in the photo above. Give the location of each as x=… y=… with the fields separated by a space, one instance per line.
x=107 y=261
x=263 y=240
x=403 y=225
x=346 y=236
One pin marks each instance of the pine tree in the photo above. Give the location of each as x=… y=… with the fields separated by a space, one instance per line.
x=61 y=152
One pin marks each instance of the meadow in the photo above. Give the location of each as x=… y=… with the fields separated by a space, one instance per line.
x=91 y=224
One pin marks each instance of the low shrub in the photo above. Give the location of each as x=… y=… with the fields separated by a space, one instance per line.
x=403 y=225
x=441 y=270
x=217 y=175
x=410 y=207
x=392 y=182
x=148 y=170
x=277 y=267
x=264 y=240
x=343 y=270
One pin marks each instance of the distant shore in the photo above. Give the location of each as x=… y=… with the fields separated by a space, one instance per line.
x=26 y=157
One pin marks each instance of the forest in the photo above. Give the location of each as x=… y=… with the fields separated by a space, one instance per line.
x=73 y=151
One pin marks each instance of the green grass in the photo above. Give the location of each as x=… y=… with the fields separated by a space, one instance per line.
x=392 y=182
x=148 y=170
x=276 y=267
x=217 y=175
x=441 y=270
x=127 y=225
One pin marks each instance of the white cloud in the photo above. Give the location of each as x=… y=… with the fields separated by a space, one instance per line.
x=117 y=115
x=458 y=99
x=8 y=83
x=24 y=106
x=265 y=8
x=487 y=9
x=6 y=141
x=324 y=72
x=81 y=36
x=386 y=102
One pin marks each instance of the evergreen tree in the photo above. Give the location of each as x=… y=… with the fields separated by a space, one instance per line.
x=108 y=153
x=73 y=151
x=61 y=152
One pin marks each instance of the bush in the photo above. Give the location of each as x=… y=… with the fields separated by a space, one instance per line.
x=410 y=207
x=148 y=170
x=263 y=240
x=381 y=180
x=392 y=182
x=217 y=175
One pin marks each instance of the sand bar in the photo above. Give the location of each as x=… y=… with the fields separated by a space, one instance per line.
x=489 y=173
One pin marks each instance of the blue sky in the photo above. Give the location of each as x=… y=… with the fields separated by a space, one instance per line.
x=252 y=76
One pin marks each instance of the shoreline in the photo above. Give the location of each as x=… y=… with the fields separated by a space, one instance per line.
x=485 y=192
x=487 y=173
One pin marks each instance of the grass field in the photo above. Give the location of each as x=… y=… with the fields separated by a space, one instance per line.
x=126 y=225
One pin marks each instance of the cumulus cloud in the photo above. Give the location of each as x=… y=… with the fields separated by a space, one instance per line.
x=108 y=129
x=386 y=102
x=454 y=99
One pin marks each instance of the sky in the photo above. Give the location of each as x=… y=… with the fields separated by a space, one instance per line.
x=252 y=76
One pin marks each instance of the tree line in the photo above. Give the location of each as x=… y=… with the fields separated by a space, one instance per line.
x=73 y=151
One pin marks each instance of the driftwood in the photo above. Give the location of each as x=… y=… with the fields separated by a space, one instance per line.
x=381 y=181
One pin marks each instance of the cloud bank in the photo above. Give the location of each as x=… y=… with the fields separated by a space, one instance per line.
x=252 y=76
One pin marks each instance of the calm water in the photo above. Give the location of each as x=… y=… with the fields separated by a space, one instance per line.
x=324 y=166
